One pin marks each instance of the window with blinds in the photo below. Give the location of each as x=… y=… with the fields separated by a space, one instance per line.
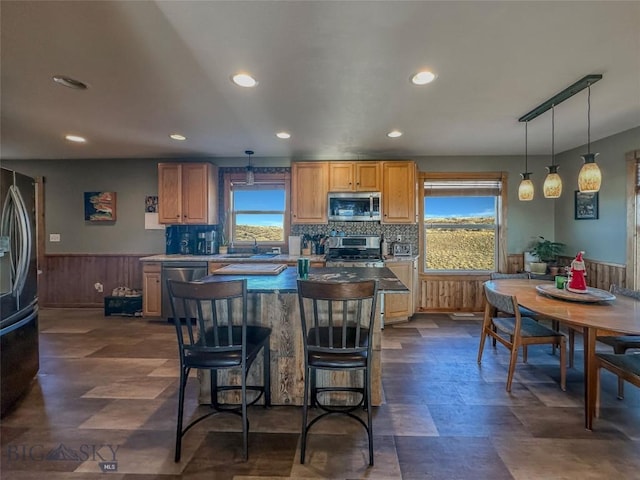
x=258 y=212
x=461 y=224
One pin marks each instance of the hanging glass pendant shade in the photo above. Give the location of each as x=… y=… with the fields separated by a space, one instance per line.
x=590 y=177
x=552 y=187
x=525 y=189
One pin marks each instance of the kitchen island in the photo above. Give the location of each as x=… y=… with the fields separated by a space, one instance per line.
x=273 y=302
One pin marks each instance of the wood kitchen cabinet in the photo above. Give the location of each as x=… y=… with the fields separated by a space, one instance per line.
x=151 y=289
x=399 y=307
x=355 y=176
x=399 y=192
x=309 y=187
x=213 y=266
x=187 y=193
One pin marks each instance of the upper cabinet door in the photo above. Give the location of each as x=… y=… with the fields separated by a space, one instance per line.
x=195 y=193
x=309 y=187
x=368 y=176
x=341 y=177
x=187 y=193
x=399 y=192
x=354 y=176
x=169 y=193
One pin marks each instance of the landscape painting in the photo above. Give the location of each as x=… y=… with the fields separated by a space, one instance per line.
x=100 y=206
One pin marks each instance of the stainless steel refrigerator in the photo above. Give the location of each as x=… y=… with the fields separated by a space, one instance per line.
x=19 y=354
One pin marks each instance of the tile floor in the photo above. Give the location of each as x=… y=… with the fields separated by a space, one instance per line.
x=106 y=396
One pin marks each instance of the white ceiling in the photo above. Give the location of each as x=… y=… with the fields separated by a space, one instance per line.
x=333 y=74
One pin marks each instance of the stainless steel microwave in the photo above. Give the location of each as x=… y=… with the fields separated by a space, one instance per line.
x=356 y=206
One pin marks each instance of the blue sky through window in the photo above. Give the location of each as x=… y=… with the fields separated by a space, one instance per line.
x=453 y=207
x=259 y=200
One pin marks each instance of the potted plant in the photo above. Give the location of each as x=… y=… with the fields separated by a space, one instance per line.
x=546 y=252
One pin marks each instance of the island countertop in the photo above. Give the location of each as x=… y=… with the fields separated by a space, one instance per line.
x=232 y=258
x=286 y=281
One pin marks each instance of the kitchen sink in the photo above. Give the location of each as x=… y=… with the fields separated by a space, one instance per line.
x=250 y=255
x=265 y=255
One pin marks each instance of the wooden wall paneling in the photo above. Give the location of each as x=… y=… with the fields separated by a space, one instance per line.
x=515 y=262
x=68 y=280
x=441 y=293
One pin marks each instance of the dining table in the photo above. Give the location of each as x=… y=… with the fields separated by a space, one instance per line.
x=596 y=312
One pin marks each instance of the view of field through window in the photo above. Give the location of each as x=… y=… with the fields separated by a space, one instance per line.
x=259 y=214
x=460 y=233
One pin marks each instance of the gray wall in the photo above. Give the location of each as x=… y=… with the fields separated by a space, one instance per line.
x=65 y=184
x=603 y=239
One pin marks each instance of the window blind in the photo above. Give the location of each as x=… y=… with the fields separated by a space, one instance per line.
x=458 y=188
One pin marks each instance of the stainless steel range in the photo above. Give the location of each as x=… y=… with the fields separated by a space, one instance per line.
x=354 y=251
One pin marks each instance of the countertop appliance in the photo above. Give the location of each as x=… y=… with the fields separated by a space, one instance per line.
x=183 y=272
x=356 y=206
x=18 y=287
x=354 y=251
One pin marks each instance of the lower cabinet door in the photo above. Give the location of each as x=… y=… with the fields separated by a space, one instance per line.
x=151 y=291
x=398 y=307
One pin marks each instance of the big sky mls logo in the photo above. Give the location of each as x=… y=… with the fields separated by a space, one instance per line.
x=104 y=454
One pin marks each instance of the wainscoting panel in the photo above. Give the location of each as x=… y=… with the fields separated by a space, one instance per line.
x=464 y=292
x=68 y=280
x=451 y=293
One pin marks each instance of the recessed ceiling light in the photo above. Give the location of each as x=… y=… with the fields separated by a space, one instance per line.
x=244 y=80
x=75 y=138
x=283 y=135
x=177 y=136
x=422 y=78
x=69 y=82
x=394 y=134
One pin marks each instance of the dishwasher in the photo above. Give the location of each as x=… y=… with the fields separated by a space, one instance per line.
x=183 y=272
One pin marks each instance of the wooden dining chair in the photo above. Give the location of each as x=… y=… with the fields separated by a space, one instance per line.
x=504 y=323
x=214 y=334
x=625 y=366
x=525 y=312
x=337 y=333
x=621 y=343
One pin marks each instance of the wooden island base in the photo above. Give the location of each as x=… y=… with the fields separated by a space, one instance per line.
x=280 y=312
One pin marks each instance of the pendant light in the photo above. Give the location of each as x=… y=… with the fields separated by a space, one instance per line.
x=525 y=189
x=250 y=175
x=552 y=187
x=589 y=178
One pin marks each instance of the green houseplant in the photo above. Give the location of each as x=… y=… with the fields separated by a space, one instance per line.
x=547 y=253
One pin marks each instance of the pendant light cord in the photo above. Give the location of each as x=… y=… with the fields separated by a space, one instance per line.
x=526 y=142
x=589 y=119
x=553 y=129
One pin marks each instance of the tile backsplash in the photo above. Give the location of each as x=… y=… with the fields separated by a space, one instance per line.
x=407 y=233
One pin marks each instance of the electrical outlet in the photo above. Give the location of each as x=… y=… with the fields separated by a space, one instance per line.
x=54 y=237
x=398 y=238
x=99 y=287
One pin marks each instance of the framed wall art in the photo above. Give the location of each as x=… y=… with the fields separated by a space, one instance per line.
x=100 y=206
x=586 y=206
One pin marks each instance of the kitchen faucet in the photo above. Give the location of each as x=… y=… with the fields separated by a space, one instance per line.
x=255 y=245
